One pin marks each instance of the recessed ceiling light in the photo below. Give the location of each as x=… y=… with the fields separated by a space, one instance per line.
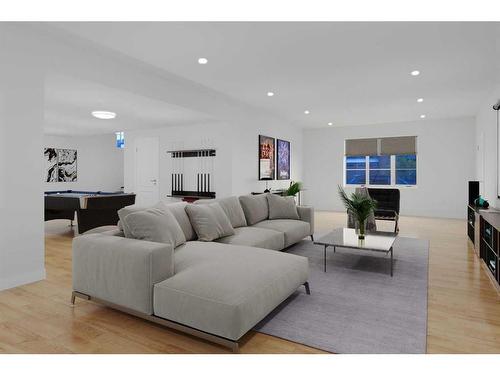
x=330 y=123
x=270 y=93
x=104 y=115
x=415 y=73
x=202 y=60
x=307 y=112
x=422 y=116
x=420 y=100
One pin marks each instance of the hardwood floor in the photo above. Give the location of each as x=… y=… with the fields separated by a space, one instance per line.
x=463 y=312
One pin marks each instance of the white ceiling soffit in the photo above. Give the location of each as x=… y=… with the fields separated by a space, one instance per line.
x=344 y=73
x=69 y=103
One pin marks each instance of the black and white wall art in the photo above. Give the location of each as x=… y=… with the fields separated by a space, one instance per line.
x=50 y=156
x=60 y=165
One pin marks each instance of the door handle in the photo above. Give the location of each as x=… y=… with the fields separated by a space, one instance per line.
x=154 y=181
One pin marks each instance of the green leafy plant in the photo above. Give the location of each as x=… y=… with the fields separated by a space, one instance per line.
x=361 y=206
x=293 y=190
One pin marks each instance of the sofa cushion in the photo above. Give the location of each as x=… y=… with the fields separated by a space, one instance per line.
x=123 y=212
x=226 y=289
x=155 y=225
x=255 y=208
x=282 y=207
x=257 y=237
x=294 y=230
x=209 y=221
x=178 y=209
x=232 y=208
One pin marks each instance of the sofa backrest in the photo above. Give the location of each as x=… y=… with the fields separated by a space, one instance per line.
x=255 y=207
x=178 y=209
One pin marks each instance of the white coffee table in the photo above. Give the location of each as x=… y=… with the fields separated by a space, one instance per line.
x=381 y=242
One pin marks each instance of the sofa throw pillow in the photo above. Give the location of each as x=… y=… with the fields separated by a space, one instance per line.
x=282 y=207
x=232 y=208
x=122 y=213
x=255 y=207
x=156 y=225
x=209 y=221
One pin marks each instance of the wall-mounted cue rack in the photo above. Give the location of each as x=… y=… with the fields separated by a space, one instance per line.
x=193 y=174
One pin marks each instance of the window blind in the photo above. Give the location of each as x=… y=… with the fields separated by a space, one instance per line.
x=381 y=146
x=398 y=146
x=361 y=147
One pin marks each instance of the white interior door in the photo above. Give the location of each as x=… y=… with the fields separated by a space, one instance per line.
x=147 y=171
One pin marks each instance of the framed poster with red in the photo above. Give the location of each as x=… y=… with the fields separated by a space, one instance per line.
x=266 y=158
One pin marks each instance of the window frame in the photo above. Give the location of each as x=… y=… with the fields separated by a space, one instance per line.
x=393 y=175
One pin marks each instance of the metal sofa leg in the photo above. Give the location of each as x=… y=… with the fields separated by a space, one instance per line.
x=308 y=289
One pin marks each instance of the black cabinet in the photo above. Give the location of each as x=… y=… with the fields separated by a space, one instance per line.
x=489 y=237
x=471 y=222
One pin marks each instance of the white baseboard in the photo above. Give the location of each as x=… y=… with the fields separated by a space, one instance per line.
x=25 y=278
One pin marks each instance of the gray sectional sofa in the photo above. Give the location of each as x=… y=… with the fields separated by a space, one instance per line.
x=217 y=290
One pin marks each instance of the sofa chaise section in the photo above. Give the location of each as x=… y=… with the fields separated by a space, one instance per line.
x=225 y=289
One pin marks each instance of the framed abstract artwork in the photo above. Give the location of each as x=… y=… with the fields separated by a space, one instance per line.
x=283 y=159
x=266 y=158
x=60 y=165
x=51 y=171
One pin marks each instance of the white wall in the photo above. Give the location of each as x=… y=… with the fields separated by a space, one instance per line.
x=486 y=148
x=99 y=163
x=446 y=161
x=21 y=124
x=236 y=165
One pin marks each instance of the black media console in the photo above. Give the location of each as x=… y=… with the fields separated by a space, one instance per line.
x=483 y=229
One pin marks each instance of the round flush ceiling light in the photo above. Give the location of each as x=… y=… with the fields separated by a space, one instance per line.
x=330 y=123
x=420 y=100
x=415 y=73
x=104 y=115
x=307 y=112
x=422 y=116
x=202 y=60
x=270 y=93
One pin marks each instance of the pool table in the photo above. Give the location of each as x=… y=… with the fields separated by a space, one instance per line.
x=93 y=208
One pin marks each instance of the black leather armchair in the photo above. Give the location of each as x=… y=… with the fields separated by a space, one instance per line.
x=387 y=205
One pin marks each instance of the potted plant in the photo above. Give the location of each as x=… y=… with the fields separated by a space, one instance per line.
x=293 y=190
x=359 y=205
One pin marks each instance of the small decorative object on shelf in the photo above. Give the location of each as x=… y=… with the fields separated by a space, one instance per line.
x=361 y=207
x=481 y=202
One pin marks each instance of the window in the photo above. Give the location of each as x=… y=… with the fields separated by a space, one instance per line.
x=384 y=161
x=406 y=169
x=355 y=170
x=120 y=139
x=381 y=170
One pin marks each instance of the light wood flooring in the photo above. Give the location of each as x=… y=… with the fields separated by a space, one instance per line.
x=463 y=312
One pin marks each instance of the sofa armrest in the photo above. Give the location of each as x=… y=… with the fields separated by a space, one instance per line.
x=120 y=270
x=306 y=213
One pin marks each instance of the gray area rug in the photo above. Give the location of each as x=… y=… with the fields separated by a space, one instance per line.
x=356 y=307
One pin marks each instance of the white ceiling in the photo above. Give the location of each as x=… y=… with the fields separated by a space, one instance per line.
x=345 y=73
x=69 y=103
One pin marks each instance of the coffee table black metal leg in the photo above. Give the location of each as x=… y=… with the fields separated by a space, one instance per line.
x=325 y=257
x=392 y=260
